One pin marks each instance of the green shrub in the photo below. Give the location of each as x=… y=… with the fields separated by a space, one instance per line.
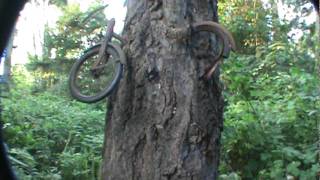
x=53 y=137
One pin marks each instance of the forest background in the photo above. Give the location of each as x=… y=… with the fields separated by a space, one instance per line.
x=271 y=90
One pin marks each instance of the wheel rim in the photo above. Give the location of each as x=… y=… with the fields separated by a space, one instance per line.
x=90 y=82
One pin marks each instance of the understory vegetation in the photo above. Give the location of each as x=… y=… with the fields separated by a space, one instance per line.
x=51 y=136
x=271 y=90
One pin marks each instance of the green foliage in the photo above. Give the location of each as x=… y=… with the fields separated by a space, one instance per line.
x=273 y=100
x=59 y=3
x=52 y=137
x=248 y=22
x=74 y=32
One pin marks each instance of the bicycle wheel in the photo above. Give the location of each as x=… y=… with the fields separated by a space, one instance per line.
x=89 y=86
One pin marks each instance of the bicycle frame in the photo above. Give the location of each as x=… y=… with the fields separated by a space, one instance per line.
x=228 y=42
x=102 y=55
x=213 y=27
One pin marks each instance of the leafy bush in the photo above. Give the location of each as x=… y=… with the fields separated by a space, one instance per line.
x=271 y=114
x=53 y=137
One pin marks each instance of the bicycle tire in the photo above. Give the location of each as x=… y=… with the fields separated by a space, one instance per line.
x=76 y=92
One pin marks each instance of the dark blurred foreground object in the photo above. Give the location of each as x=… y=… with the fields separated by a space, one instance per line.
x=9 y=11
x=316 y=5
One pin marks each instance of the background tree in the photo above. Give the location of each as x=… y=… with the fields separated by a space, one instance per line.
x=7 y=61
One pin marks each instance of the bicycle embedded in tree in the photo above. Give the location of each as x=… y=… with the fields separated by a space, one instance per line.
x=99 y=69
x=224 y=36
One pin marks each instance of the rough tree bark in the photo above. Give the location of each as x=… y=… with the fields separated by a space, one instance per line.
x=163 y=122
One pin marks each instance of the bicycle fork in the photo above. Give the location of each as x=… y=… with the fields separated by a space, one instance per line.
x=103 y=57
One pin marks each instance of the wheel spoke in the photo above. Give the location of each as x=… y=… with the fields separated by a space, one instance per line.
x=89 y=84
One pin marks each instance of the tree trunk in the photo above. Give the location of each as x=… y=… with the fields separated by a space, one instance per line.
x=164 y=122
x=7 y=62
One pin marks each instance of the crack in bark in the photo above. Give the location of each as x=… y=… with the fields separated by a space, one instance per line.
x=165 y=101
x=170 y=173
x=172 y=109
x=138 y=158
x=157 y=4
